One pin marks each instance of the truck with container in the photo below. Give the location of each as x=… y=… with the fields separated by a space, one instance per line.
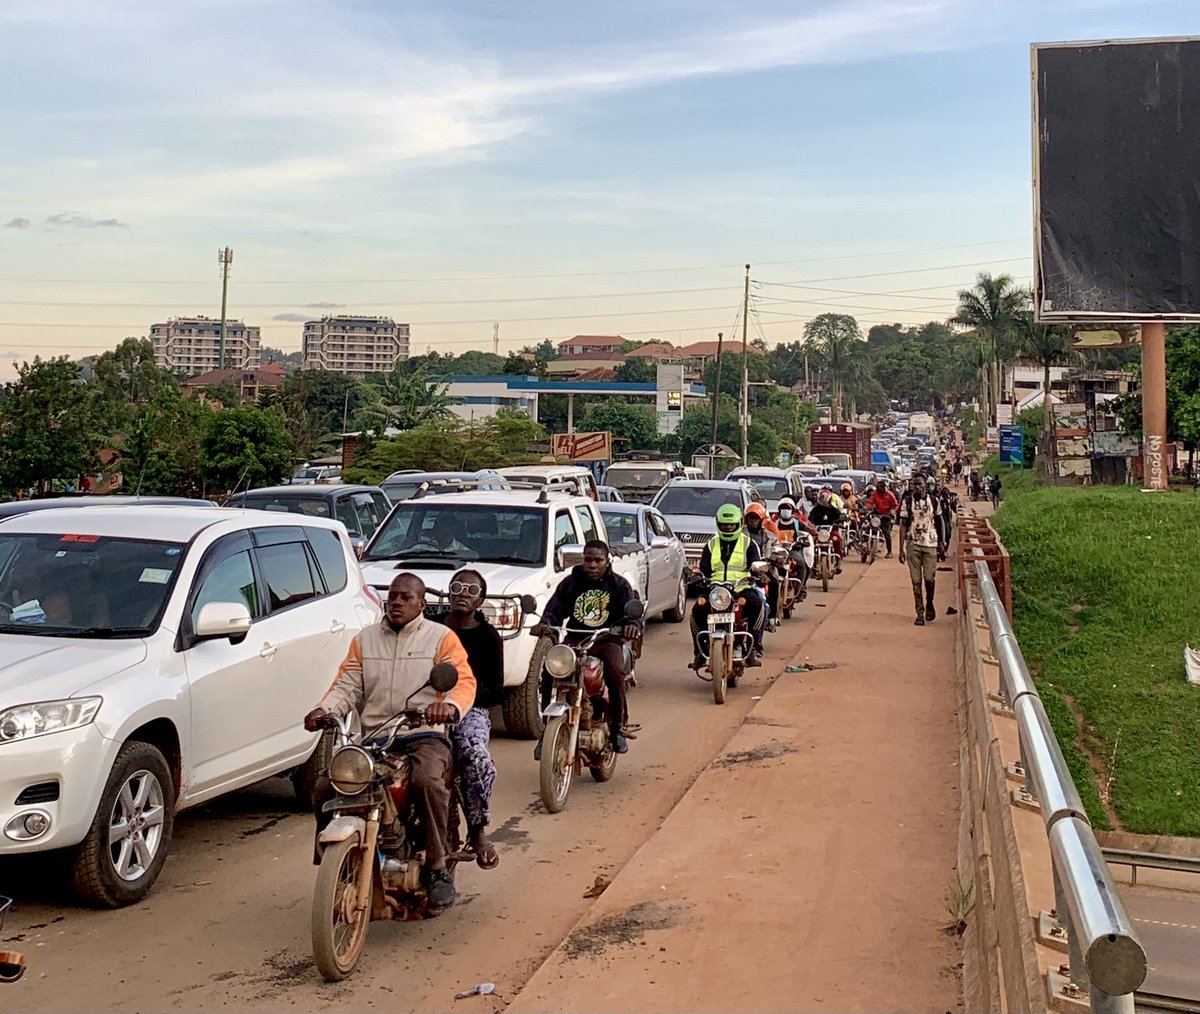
x=842 y=438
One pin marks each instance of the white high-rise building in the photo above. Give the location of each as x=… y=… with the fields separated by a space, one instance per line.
x=354 y=345
x=188 y=346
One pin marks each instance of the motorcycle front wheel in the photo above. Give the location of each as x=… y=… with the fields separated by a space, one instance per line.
x=825 y=573
x=720 y=672
x=556 y=768
x=338 y=932
x=874 y=552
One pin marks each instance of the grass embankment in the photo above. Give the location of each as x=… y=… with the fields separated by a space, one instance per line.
x=1106 y=591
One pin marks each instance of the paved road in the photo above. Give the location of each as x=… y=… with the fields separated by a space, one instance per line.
x=227 y=926
x=1168 y=922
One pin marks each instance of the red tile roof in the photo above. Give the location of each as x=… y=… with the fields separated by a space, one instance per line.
x=611 y=341
x=710 y=349
x=259 y=375
x=598 y=357
x=653 y=350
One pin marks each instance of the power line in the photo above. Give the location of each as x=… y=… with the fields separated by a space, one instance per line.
x=804 y=283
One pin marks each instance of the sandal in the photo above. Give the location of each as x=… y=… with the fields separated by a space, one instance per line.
x=485 y=852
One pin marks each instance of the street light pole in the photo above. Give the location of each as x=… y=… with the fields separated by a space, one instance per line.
x=745 y=371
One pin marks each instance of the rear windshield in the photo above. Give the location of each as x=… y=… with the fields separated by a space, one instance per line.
x=696 y=500
x=308 y=506
x=770 y=487
x=637 y=478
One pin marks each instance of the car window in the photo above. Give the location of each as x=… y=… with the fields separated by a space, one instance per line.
x=331 y=557
x=658 y=525
x=383 y=507
x=344 y=511
x=622 y=529
x=699 y=500
x=308 y=506
x=587 y=524
x=231 y=580
x=564 y=531
x=287 y=574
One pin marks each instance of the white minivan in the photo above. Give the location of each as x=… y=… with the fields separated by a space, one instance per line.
x=152 y=659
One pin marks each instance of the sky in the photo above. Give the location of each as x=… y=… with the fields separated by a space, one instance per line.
x=557 y=168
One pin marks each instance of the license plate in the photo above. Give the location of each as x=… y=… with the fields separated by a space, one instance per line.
x=716 y=619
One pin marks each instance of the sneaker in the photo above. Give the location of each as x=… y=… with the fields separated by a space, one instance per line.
x=753 y=661
x=887 y=555
x=441 y=889
x=620 y=744
x=930 y=612
x=919 y=621
x=698 y=662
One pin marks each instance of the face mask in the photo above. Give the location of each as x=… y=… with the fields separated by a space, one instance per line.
x=785 y=514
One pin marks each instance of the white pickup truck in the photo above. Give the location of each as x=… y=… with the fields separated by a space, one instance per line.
x=523 y=542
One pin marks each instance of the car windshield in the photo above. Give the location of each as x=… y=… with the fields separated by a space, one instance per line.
x=82 y=585
x=312 y=507
x=637 y=478
x=420 y=528
x=770 y=487
x=702 y=500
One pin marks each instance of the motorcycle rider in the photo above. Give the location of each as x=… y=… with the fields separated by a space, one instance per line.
x=590 y=597
x=826 y=513
x=920 y=546
x=728 y=556
x=884 y=503
x=791 y=522
x=387 y=664
x=473 y=762
x=755 y=521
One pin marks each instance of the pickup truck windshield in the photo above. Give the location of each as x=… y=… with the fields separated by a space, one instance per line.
x=80 y=585
x=703 y=500
x=770 y=487
x=637 y=478
x=420 y=528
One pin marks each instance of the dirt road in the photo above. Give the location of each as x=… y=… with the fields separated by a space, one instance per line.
x=227 y=926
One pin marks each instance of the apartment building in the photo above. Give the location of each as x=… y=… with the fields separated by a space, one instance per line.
x=188 y=346
x=354 y=345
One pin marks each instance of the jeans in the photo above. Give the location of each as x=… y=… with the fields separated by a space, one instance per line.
x=474 y=767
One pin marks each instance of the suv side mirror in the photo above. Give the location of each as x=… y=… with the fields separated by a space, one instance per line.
x=569 y=555
x=659 y=542
x=357 y=543
x=223 y=619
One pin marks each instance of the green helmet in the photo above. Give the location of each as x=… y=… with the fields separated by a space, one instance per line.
x=729 y=521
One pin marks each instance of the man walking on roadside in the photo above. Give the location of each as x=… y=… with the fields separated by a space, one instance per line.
x=920 y=546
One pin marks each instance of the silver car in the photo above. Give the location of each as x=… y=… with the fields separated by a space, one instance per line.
x=690 y=507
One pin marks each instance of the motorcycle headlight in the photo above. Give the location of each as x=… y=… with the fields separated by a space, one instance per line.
x=28 y=720
x=351 y=770
x=876 y=523
x=560 y=661
x=823 y=535
x=720 y=598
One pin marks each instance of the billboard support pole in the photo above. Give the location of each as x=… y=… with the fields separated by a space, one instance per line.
x=1154 y=406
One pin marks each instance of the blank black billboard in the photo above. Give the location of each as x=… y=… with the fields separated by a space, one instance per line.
x=1117 y=180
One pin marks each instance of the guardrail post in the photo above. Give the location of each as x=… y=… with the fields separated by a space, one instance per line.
x=1102 y=1003
x=1079 y=973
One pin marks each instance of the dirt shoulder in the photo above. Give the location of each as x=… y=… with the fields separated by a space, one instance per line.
x=806 y=869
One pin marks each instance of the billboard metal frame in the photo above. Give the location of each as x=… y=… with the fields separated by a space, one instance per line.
x=1070 y=317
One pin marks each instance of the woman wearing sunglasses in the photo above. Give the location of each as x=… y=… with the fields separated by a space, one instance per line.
x=469 y=739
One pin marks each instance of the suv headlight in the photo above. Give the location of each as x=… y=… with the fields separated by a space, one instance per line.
x=720 y=598
x=560 y=661
x=28 y=720
x=351 y=770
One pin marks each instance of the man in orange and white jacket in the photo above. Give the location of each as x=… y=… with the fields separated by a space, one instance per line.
x=386 y=664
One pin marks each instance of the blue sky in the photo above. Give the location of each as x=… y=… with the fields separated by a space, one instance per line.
x=560 y=168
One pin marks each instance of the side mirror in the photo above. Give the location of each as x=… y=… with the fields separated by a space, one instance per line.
x=223 y=619
x=570 y=555
x=761 y=567
x=635 y=609
x=443 y=677
x=660 y=542
x=358 y=544
x=528 y=604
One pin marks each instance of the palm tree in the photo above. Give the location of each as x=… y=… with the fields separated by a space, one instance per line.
x=990 y=309
x=406 y=400
x=1048 y=345
x=837 y=342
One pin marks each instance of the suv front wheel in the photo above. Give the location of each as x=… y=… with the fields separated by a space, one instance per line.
x=123 y=853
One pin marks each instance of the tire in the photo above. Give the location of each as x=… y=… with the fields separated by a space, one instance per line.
x=787 y=612
x=554 y=786
x=825 y=573
x=720 y=673
x=874 y=552
x=304 y=778
x=339 y=871
x=522 y=705
x=141 y=769
x=604 y=771
x=678 y=613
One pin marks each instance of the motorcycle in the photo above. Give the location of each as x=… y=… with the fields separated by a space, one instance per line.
x=870 y=538
x=372 y=857
x=783 y=569
x=727 y=641
x=12 y=963
x=577 y=717
x=827 y=559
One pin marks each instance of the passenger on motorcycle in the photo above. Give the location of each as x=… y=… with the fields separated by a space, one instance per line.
x=849 y=502
x=590 y=597
x=728 y=556
x=884 y=503
x=387 y=664
x=469 y=739
x=825 y=513
x=756 y=522
x=791 y=522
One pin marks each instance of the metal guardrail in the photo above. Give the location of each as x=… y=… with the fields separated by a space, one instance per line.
x=1106 y=957
x=1150 y=861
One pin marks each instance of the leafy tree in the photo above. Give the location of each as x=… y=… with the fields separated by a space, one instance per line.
x=636 y=423
x=52 y=426
x=990 y=309
x=758 y=369
x=245 y=447
x=225 y=393
x=518 y=366
x=837 y=342
x=905 y=370
x=127 y=378
x=785 y=363
x=476 y=364
x=157 y=452
x=408 y=399
x=637 y=371
x=1183 y=391
x=1047 y=345
x=695 y=427
x=544 y=351
x=290 y=361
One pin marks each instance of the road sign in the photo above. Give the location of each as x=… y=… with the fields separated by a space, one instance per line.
x=1012 y=445
x=582 y=446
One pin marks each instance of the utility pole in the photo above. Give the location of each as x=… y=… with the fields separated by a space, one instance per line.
x=716 y=392
x=225 y=259
x=496 y=338
x=745 y=371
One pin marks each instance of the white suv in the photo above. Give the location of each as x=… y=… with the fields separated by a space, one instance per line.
x=153 y=659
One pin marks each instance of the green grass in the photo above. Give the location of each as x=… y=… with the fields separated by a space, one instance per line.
x=1106 y=591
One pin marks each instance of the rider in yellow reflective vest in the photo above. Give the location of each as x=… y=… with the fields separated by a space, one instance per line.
x=728 y=557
